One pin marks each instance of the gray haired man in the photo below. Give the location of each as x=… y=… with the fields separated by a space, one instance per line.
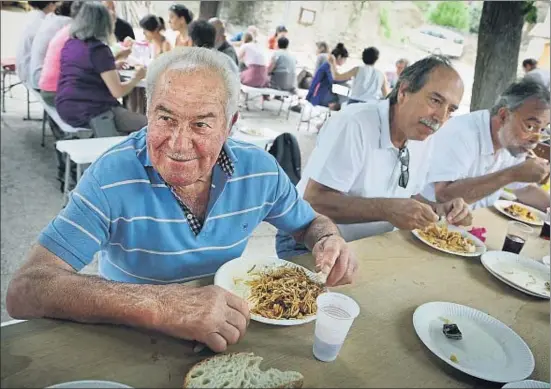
x=371 y=160
x=171 y=203
x=478 y=154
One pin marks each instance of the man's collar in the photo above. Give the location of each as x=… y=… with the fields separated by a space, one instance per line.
x=485 y=134
x=226 y=160
x=384 y=116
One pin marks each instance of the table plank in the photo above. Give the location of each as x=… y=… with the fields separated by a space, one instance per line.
x=397 y=274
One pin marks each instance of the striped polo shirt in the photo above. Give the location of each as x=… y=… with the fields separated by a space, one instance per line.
x=123 y=209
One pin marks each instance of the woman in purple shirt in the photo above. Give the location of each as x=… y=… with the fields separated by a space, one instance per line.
x=89 y=83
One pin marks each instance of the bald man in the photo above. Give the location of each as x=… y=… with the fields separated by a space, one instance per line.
x=221 y=44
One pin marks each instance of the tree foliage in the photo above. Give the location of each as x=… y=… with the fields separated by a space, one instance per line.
x=453 y=14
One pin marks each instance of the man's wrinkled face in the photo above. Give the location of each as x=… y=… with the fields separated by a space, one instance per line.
x=521 y=129
x=424 y=111
x=187 y=125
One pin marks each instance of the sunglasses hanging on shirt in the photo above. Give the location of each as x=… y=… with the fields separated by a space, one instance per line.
x=403 y=157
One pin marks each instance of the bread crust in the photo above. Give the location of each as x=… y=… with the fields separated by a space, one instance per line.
x=297 y=384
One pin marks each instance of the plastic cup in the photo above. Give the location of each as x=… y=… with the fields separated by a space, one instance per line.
x=335 y=315
x=517 y=234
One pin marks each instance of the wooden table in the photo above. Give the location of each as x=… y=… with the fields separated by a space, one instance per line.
x=397 y=274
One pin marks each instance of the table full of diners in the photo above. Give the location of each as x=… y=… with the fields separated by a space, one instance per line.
x=397 y=274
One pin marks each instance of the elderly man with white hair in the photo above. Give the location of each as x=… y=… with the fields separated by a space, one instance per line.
x=478 y=154
x=171 y=203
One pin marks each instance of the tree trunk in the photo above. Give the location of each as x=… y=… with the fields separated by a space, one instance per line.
x=499 y=37
x=208 y=9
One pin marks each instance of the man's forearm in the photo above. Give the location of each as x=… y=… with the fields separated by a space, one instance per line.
x=61 y=294
x=473 y=189
x=319 y=228
x=534 y=196
x=344 y=209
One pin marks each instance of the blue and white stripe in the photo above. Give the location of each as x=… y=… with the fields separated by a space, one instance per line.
x=122 y=208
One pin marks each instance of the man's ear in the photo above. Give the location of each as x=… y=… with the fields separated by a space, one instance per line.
x=402 y=91
x=503 y=114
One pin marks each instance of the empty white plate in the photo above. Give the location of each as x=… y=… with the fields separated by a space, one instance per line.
x=489 y=350
x=522 y=273
x=500 y=205
x=527 y=384
x=233 y=274
x=90 y=384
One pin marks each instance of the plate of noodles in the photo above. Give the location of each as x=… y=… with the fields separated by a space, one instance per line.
x=451 y=240
x=520 y=212
x=278 y=292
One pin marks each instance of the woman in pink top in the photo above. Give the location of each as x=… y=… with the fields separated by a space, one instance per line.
x=252 y=56
x=50 y=69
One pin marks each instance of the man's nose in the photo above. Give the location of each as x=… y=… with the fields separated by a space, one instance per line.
x=181 y=139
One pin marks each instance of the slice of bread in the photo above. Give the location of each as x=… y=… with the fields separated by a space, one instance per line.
x=239 y=370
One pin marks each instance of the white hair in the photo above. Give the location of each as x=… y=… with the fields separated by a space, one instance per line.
x=190 y=59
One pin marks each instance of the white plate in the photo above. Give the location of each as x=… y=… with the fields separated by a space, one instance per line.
x=233 y=274
x=527 y=384
x=500 y=205
x=480 y=246
x=91 y=384
x=489 y=349
x=524 y=274
x=546 y=260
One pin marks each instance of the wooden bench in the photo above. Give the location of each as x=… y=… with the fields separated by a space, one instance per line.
x=252 y=93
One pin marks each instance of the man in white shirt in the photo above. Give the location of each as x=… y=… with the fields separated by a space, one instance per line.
x=35 y=18
x=478 y=154
x=535 y=73
x=371 y=160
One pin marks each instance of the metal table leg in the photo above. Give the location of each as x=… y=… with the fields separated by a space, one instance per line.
x=66 y=183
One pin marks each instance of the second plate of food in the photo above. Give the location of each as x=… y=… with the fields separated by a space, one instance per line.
x=278 y=292
x=520 y=212
x=451 y=240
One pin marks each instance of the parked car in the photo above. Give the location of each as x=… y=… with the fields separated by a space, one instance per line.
x=438 y=40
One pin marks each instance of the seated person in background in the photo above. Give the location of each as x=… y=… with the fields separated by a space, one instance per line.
x=89 y=83
x=51 y=24
x=179 y=18
x=153 y=28
x=371 y=160
x=34 y=20
x=201 y=34
x=281 y=32
x=237 y=39
x=533 y=72
x=283 y=67
x=49 y=74
x=322 y=54
x=221 y=43
x=181 y=177
x=320 y=92
x=477 y=154
x=369 y=83
x=123 y=29
x=392 y=77
x=254 y=59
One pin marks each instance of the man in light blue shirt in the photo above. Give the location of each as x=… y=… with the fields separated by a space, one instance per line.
x=169 y=204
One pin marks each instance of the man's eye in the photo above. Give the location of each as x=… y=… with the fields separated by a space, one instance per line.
x=202 y=125
x=165 y=118
x=435 y=101
x=530 y=128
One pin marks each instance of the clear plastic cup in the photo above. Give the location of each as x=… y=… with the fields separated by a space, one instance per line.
x=335 y=315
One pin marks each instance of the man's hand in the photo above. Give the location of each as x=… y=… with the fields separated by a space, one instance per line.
x=210 y=315
x=140 y=73
x=456 y=211
x=335 y=259
x=410 y=214
x=532 y=170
